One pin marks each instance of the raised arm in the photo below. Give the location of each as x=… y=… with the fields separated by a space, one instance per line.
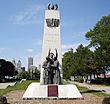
x=49 y=52
x=56 y=53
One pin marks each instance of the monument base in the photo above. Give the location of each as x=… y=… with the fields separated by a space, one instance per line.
x=37 y=91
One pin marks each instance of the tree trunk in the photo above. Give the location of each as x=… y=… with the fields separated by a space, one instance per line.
x=104 y=75
x=97 y=75
x=90 y=77
x=94 y=75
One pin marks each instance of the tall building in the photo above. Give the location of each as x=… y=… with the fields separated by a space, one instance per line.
x=19 y=66
x=14 y=62
x=30 y=62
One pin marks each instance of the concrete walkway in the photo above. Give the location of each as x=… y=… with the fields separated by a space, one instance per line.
x=5 y=85
x=103 y=88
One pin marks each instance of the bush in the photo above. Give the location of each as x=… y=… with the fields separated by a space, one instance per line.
x=108 y=81
x=100 y=81
x=97 y=81
x=79 y=79
x=23 y=75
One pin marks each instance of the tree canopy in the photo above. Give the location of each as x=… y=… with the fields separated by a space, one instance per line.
x=76 y=63
x=6 y=68
x=99 y=38
x=86 y=62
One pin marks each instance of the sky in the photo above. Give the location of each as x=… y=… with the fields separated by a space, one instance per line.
x=22 y=25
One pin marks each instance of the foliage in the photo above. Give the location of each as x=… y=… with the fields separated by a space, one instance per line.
x=67 y=64
x=37 y=73
x=34 y=73
x=99 y=38
x=76 y=63
x=84 y=62
x=97 y=81
x=101 y=81
x=6 y=68
x=18 y=86
x=79 y=79
x=23 y=75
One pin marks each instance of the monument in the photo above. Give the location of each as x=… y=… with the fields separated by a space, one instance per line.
x=51 y=38
x=51 y=79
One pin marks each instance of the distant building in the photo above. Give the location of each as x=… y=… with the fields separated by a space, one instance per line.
x=30 y=62
x=19 y=66
x=39 y=67
x=14 y=62
x=23 y=68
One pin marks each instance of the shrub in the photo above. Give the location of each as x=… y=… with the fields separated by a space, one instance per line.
x=97 y=81
x=79 y=79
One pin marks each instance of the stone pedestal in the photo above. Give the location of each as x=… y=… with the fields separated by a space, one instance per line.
x=37 y=91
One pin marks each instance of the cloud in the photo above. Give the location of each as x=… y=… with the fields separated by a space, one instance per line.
x=66 y=47
x=29 y=50
x=28 y=16
x=2 y=50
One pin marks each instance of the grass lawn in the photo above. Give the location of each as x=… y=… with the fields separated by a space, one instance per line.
x=24 y=85
x=96 y=92
x=18 y=86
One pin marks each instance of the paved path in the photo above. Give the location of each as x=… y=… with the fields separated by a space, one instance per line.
x=5 y=85
x=103 y=88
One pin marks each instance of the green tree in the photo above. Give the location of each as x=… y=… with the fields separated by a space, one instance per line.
x=37 y=73
x=9 y=69
x=83 y=55
x=76 y=63
x=2 y=69
x=6 y=68
x=99 y=37
x=67 y=64
x=23 y=75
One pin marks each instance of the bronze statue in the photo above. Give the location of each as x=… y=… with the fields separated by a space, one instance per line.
x=51 y=72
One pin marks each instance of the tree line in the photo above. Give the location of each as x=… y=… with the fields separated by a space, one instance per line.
x=85 y=62
x=7 y=69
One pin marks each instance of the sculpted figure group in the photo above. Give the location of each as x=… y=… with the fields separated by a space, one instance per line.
x=51 y=73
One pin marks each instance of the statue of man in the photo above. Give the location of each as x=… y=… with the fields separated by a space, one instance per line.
x=50 y=63
x=56 y=71
x=48 y=70
x=45 y=71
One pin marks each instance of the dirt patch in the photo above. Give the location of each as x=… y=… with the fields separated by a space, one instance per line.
x=15 y=97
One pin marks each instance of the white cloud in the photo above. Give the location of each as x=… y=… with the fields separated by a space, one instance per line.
x=29 y=50
x=66 y=47
x=28 y=16
x=2 y=50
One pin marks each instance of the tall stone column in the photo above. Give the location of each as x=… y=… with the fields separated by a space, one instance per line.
x=51 y=36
